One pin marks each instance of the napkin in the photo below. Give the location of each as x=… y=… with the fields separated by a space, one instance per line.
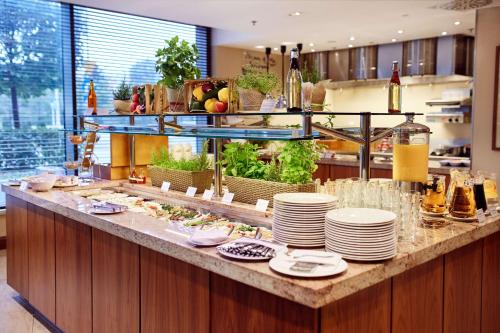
x=208 y=237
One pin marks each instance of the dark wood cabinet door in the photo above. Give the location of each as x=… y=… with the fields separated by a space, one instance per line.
x=237 y=307
x=368 y=310
x=115 y=284
x=42 y=261
x=462 y=289
x=174 y=295
x=17 y=245
x=73 y=275
x=417 y=299
x=490 y=322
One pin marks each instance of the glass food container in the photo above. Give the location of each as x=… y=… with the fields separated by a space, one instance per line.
x=411 y=155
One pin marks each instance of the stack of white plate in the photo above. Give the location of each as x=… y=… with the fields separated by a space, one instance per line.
x=363 y=234
x=299 y=218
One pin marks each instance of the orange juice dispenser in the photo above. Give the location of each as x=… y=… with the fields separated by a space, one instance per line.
x=411 y=155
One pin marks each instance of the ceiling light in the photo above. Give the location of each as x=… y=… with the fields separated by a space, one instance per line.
x=400 y=31
x=311 y=44
x=259 y=46
x=295 y=14
x=393 y=40
x=275 y=49
x=444 y=33
x=457 y=23
x=352 y=38
x=288 y=43
x=313 y=50
x=350 y=45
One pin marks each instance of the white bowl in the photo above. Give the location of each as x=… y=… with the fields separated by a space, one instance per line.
x=42 y=183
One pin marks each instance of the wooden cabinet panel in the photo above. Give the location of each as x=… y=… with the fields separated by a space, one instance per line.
x=366 y=311
x=462 y=289
x=42 y=261
x=115 y=284
x=490 y=313
x=174 y=295
x=236 y=307
x=341 y=171
x=323 y=172
x=380 y=173
x=73 y=275
x=17 y=244
x=417 y=299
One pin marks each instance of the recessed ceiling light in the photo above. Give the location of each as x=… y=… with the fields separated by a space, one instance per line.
x=311 y=44
x=400 y=31
x=394 y=40
x=259 y=46
x=444 y=33
x=352 y=38
x=295 y=14
x=350 y=45
x=275 y=49
x=288 y=43
x=313 y=50
x=457 y=22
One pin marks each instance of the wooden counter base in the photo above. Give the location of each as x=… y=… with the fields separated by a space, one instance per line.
x=86 y=280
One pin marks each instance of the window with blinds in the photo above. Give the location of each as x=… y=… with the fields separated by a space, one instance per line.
x=36 y=74
x=111 y=47
x=32 y=108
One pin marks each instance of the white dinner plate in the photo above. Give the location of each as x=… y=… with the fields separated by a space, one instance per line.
x=344 y=243
x=281 y=265
x=301 y=198
x=362 y=251
x=361 y=254
x=361 y=216
x=461 y=219
x=365 y=229
x=364 y=235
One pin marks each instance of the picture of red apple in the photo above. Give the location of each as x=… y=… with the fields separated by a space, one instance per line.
x=220 y=107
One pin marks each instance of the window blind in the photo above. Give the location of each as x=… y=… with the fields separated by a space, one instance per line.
x=111 y=47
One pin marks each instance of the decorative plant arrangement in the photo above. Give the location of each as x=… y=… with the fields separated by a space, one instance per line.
x=176 y=62
x=253 y=86
x=182 y=173
x=121 y=97
x=211 y=96
x=250 y=178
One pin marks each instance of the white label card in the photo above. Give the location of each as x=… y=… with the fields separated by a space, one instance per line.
x=208 y=194
x=228 y=198
x=481 y=217
x=165 y=186
x=191 y=191
x=261 y=205
x=23 y=186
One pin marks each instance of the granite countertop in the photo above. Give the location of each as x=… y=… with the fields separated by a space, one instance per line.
x=151 y=233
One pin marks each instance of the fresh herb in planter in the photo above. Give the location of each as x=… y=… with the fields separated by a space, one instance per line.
x=242 y=160
x=295 y=165
x=310 y=73
x=253 y=79
x=164 y=159
x=297 y=161
x=177 y=62
x=123 y=93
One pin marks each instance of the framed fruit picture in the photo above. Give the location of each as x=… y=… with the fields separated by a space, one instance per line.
x=209 y=95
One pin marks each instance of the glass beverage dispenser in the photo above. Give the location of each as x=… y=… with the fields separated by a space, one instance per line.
x=411 y=155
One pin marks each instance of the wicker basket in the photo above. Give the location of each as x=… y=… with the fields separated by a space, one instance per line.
x=180 y=180
x=249 y=190
x=250 y=100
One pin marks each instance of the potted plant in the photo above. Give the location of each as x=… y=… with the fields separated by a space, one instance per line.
x=311 y=74
x=183 y=172
x=250 y=178
x=176 y=62
x=121 y=98
x=253 y=86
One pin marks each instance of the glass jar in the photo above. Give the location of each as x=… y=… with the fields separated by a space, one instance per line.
x=411 y=153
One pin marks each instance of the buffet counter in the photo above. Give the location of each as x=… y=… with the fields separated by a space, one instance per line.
x=79 y=270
